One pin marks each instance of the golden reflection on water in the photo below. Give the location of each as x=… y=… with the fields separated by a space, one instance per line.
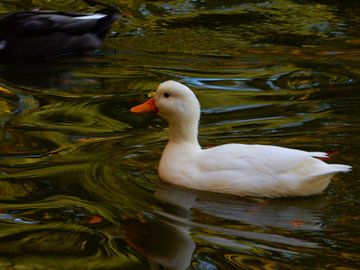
x=78 y=173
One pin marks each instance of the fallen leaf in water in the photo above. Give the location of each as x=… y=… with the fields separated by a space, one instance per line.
x=331 y=154
x=297 y=223
x=353 y=41
x=95 y=220
x=270 y=266
x=89 y=140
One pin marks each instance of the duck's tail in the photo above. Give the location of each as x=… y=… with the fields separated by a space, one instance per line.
x=103 y=25
x=331 y=169
x=340 y=168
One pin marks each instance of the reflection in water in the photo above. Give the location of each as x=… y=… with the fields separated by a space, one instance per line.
x=165 y=245
x=165 y=234
x=32 y=75
x=78 y=173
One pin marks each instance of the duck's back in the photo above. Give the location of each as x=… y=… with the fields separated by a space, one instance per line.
x=41 y=34
x=259 y=170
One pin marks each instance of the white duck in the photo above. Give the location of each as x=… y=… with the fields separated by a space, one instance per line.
x=239 y=169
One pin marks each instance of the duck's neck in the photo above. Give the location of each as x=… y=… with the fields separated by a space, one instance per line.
x=184 y=132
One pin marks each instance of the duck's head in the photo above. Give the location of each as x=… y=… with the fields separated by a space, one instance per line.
x=173 y=101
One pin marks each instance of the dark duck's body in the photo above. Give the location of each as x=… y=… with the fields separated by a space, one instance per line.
x=33 y=35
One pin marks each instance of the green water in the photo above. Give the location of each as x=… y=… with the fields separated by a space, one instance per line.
x=78 y=172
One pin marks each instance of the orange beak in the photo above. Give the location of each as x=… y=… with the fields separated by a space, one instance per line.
x=147 y=106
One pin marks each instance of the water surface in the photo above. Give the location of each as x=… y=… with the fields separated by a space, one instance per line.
x=78 y=173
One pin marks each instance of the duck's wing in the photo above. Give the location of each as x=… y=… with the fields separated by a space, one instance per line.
x=272 y=159
x=260 y=170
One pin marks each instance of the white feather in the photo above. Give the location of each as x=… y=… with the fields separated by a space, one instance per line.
x=95 y=16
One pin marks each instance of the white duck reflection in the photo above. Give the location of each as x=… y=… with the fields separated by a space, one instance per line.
x=165 y=236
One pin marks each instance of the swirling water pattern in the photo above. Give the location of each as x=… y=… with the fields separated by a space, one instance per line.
x=78 y=180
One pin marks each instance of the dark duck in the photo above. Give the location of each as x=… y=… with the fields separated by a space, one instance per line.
x=32 y=35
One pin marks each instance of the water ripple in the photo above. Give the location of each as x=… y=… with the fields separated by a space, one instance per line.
x=79 y=187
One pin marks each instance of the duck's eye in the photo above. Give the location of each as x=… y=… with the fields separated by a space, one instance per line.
x=166 y=95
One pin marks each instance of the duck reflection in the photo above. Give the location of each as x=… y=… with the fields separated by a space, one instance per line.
x=45 y=75
x=164 y=235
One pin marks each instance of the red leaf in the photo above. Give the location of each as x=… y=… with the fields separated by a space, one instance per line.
x=95 y=220
x=297 y=223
